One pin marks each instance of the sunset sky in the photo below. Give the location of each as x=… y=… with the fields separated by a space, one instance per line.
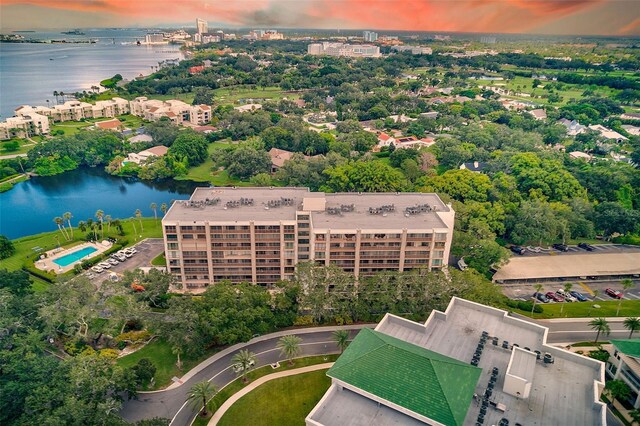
x=607 y=17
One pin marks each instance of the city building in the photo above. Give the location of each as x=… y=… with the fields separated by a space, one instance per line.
x=155 y=38
x=370 y=36
x=258 y=235
x=201 y=26
x=342 y=49
x=488 y=39
x=624 y=365
x=415 y=50
x=470 y=365
x=24 y=126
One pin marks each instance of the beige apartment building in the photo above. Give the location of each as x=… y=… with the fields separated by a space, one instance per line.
x=24 y=126
x=258 y=235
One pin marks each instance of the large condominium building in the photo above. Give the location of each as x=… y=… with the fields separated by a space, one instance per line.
x=24 y=126
x=370 y=36
x=175 y=110
x=259 y=234
x=470 y=365
x=415 y=50
x=77 y=110
x=341 y=49
x=201 y=26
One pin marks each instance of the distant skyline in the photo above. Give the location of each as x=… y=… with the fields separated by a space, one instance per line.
x=562 y=17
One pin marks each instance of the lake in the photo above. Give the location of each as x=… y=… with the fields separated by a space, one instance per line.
x=29 y=208
x=31 y=72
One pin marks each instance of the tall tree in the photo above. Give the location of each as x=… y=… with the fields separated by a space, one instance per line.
x=567 y=289
x=60 y=222
x=163 y=208
x=538 y=288
x=632 y=324
x=100 y=216
x=341 y=337
x=138 y=214
x=67 y=216
x=243 y=361
x=7 y=248
x=289 y=347
x=154 y=207
x=200 y=393
x=600 y=325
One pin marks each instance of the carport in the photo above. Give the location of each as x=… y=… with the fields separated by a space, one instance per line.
x=570 y=266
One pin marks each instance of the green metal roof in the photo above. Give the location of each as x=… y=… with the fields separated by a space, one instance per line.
x=420 y=380
x=628 y=347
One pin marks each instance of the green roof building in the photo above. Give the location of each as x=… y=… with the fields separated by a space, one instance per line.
x=624 y=364
x=408 y=377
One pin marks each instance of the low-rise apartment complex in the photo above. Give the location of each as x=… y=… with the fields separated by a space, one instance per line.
x=342 y=49
x=24 y=126
x=470 y=365
x=259 y=235
x=177 y=111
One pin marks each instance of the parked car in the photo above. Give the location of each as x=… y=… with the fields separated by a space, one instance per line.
x=112 y=261
x=104 y=265
x=534 y=249
x=237 y=368
x=567 y=297
x=518 y=250
x=555 y=297
x=561 y=247
x=97 y=269
x=579 y=296
x=614 y=293
x=587 y=247
x=541 y=297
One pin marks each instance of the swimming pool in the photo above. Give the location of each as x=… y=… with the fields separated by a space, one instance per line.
x=68 y=259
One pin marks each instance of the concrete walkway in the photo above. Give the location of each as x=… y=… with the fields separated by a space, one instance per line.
x=262 y=380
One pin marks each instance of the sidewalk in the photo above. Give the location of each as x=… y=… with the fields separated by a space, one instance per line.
x=262 y=380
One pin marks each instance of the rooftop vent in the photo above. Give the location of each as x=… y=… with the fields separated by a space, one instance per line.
x=420 y=208
x=201 y=203
x=281 y=202
x=382 y=209
x=334 y=211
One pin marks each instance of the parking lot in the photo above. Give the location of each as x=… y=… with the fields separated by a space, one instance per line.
x=147 y=250
x=587 y=288
x=597 y=248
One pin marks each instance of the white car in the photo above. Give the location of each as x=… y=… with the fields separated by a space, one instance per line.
x=104 y=265
x=534 y=249
x=131 y=250
x=237 y=368
x=567 y=296
x=97 y=269
x=112 y=261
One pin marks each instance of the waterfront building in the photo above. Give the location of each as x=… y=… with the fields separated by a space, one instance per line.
x=259 y=235
x=155 y=38
x=27 y=125
x=370 y=36
x=469 y=365
x=342 y=49
x=75 y=110
x=624 y=365
x=177 y=111
x=202 y=27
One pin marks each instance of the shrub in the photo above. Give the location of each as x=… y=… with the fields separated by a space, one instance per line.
x=600 y=355
x=304 y=320
x=75 y=346
x=108 y=353
x=30 y=268
x=134 y=336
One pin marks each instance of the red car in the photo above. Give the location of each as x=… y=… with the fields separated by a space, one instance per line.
x=555 y=297
x=614 y=293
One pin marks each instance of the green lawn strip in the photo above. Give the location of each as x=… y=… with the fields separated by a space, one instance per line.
x=589 y=344
x=586 y=309
x=159 y=260
x=231 y=95
x=285 y=401
x=235 y=386
x=24 y=146
x=47 y=241
x=5 y=186
x=160 y=354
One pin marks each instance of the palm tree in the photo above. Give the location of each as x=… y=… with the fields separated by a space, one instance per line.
x=341 y=337
x=62 y=95
x=163 y=208
x=58 y=220
x=635 y=416
x=200 y=393
x=289 y=347
x=100 y=216
x=109 y=219
x=177 y=351
x=135 y=231
x=538 y=288
x=617 y=389
x=626 y=285
x=567 y=289
x=139 y=216
x=154 y=207
x=242 y=363
x=55 y=94
x=67 y=216
x=82 y=226
x=601 y=326
x=632 y=324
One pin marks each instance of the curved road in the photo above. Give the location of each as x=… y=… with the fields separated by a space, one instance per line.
x=170 y=403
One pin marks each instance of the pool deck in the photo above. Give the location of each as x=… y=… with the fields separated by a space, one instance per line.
x=47 y=264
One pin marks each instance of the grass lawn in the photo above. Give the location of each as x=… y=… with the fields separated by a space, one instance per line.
x=48 y=241
x=24 y=146
x=233 y=94
x=233 y=387
x=8 y=183
x=159 y=260
x=159 y=352
x=607 y=308
x=281 y=402
x=70 y=127
x=203 y=172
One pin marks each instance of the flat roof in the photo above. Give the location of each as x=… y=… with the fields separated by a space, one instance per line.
x=420 y=380
x=358 y=218
x=456 y=334
x=569 y=265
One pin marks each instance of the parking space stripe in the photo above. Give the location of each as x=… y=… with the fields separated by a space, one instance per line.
x=586 y=288
x=633 y=296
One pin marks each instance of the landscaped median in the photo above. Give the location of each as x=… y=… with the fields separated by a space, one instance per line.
x=237 y=385
x=589 y=309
